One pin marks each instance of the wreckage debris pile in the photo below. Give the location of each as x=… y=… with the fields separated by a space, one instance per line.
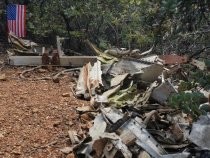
x=150 y=106
x=142 y=105
x=20 y=46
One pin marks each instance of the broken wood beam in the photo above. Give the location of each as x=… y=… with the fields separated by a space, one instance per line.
x=75 y=61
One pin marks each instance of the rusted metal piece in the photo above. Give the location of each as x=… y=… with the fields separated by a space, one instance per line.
x=45 y=59
x=173 y=59
x=55 y=58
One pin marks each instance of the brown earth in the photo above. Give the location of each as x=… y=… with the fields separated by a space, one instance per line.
x=35 y=117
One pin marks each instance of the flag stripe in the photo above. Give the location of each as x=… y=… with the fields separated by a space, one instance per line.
x=16 y=17
x=21 y=26
x=14 y=26
x=24 y=21
x=9 y=25
x=16 y=21
x=19 y=21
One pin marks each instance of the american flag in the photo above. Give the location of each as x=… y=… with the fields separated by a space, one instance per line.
x=16 y=18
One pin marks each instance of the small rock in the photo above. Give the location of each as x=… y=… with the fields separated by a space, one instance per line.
x=66 y=150
x=70 y=123
x=89 y=125
x=3 y=77
x=35 y=110
x=84 y=126
x=73 y=137
x=1 y=135
x=23 y=98
x=66 y=95
x=84 y=108
x=42 y=70
x=144 y=154
x=56 y=123
x=56 y=80
x=17 y=151
x=70 y=156
x=85 y=117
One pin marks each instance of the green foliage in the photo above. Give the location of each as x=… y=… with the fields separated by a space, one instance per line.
x=207 y=63
x=172 y=25
x=188 y=24
x=196 y=77
x=120 y=23
x=124 y=96
x=183 y=86
x=201 y=77
x=187 y=102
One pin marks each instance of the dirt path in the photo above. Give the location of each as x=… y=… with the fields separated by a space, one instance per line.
x=35 y=117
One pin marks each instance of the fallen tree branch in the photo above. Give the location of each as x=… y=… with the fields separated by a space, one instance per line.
x=56 y=77
x=42 y=78
x=73 y=91
x=27 y=71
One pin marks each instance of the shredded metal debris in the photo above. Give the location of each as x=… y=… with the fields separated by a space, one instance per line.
x=137 y=112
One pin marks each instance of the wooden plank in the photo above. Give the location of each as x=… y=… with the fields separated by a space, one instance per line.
x=64 y=60
x=25 y=60
x=58 y=39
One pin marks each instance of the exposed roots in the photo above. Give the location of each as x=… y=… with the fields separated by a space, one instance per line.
x=55 y=78
x=64 y=72
x=27 y=71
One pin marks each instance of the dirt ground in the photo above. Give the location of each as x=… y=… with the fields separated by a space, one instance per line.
x=35 y=116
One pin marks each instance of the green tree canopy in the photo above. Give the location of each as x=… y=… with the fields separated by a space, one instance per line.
x=180 y=26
